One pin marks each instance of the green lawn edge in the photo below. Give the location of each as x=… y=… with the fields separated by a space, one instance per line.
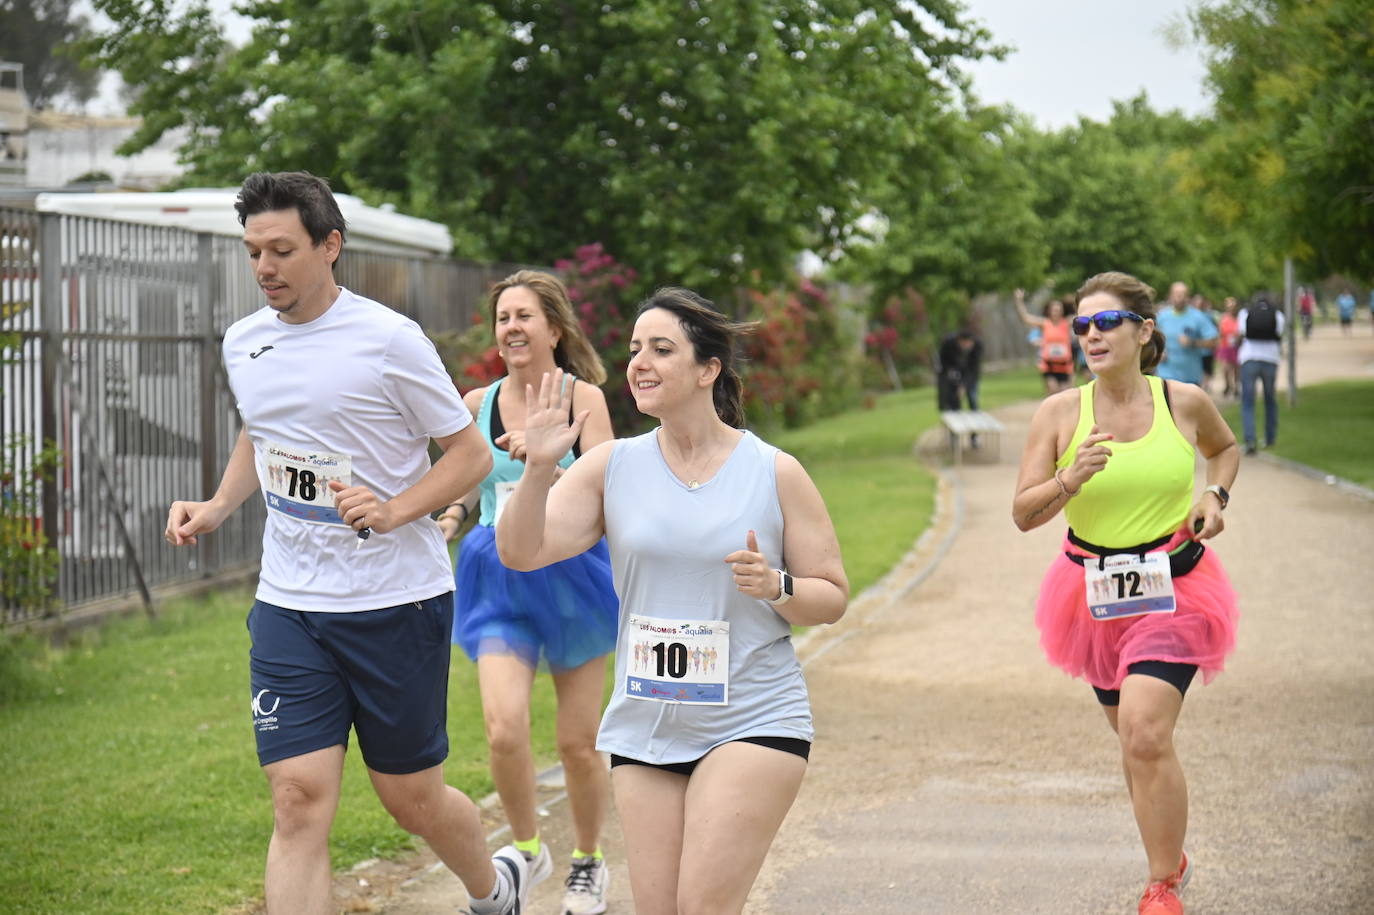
x=1331 y=429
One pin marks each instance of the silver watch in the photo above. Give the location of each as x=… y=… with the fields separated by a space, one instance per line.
x=784 y=589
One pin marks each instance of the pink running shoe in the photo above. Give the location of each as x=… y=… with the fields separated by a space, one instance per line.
x=1160 y=899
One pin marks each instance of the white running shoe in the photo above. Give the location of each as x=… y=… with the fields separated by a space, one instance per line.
x=510 y=861
x=587 y=884
x=541 y=865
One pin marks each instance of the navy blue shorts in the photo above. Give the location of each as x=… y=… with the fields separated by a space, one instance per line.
x=382 y=672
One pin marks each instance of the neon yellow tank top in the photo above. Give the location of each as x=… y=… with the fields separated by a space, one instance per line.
x=1146 y=489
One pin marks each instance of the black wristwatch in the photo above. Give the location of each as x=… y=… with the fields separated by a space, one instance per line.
x=784 y=589
x=1222 y=495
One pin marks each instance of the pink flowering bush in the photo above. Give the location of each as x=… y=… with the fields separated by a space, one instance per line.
x=604 y=294
x=799 y=366
x=898 y=340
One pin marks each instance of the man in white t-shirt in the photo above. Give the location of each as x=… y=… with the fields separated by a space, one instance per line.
x=340 y=398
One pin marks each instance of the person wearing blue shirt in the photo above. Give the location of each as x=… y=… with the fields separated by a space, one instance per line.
x=1188 y=334
x=1345 y=307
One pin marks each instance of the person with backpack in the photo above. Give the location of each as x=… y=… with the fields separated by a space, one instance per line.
x=1261 y=327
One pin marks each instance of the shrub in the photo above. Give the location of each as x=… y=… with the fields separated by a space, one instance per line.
x=604 y=293
x=800 y=366
x=28 y=563
x=899 y=341
x=470 y=356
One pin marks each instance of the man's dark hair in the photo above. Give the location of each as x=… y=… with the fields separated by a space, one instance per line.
x=265 y=192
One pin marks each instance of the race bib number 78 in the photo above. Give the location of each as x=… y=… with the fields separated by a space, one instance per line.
x=297 y=482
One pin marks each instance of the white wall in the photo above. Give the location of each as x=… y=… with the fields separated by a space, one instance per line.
x=60 y=152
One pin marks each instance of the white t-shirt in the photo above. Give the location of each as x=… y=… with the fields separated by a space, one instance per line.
x=1259 y=350
x=354 y=395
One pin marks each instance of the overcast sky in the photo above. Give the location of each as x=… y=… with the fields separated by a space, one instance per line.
x=1070 y=58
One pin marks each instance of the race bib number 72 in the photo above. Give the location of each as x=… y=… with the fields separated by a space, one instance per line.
x=1128 y=585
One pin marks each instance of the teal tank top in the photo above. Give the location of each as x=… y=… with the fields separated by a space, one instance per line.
x=504 y=468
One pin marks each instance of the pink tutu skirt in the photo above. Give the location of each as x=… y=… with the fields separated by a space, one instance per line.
x=1202 y=631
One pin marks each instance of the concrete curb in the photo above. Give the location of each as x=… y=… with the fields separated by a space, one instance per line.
x=1312 y=473
x=897 y=583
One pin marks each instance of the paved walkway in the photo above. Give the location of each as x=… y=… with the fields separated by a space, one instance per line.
x=957 y=772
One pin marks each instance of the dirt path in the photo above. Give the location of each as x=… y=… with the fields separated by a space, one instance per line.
x=956 y=772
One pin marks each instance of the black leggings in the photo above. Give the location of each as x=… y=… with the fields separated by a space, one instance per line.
x=794 y=745
x=1179 y=676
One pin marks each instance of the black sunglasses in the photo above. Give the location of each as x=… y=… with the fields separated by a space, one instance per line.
x=1105 y=320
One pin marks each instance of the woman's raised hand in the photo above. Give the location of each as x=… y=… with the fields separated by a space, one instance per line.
x=548 y=434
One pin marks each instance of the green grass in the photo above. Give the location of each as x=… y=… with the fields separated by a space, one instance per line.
x=1331 y=429
x=879 y=496
x=131 y=784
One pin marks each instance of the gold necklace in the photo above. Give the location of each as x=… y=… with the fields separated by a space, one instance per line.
x=693 y=482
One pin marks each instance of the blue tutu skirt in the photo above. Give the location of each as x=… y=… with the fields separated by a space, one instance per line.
x=566 y=612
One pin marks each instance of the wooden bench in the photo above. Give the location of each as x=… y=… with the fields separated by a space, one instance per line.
x=964 y=425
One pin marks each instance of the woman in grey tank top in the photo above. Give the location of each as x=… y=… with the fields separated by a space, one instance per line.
x=702 y=518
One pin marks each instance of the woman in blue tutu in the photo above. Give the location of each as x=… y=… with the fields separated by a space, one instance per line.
x=565 y=614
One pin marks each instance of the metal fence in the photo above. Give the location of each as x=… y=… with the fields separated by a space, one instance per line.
x=116 y=362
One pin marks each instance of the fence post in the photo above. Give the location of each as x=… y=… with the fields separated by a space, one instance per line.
x=209 y=356
x=50 y=297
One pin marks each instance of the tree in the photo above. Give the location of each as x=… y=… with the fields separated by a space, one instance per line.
x=958 y=225
x=1293 y=155
x=705 y=143
x=1120 y=195
x=44 y=36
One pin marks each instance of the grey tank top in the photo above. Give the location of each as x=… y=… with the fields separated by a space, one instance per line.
x=668 y=546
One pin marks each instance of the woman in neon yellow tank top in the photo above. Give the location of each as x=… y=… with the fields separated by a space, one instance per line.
x=1133 y=604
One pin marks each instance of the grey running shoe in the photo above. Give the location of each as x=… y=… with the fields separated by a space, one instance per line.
x=541 y=865
x=511 y=862
x=587 y=884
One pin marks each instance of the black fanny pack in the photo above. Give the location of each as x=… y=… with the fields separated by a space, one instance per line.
x=1181 y=561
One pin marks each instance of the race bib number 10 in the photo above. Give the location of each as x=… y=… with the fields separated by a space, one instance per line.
x=678 y=661
x=1129 y=586
x=297 y=482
